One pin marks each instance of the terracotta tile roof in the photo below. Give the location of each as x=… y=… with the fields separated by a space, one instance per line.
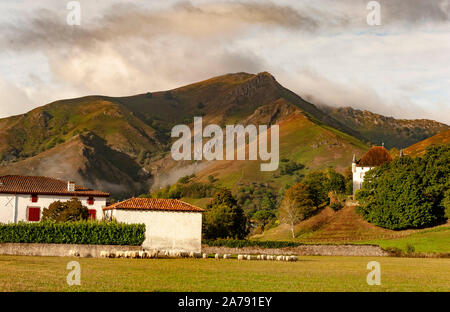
x=15 y=184
x=376 y=156
x=154 y=204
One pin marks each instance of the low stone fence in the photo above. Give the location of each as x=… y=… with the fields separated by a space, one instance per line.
x=303 y=250
x=60 y=250
x=64 y=250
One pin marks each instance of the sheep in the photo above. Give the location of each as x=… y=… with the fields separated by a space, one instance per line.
x=144 y=254
x=250 y=257
x=184 y=254
x=74 y=253
x=197 y=254
x=258 y=257
x=153 y=254
x=240 y=257
x=293 y=258
x=192 y=254
x=104 y=254
x=226 y=256
x=205 y=256
x=217 y=256
x=279 y=258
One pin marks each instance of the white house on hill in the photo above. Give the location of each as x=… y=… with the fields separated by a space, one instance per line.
x=22 y=198
x=376 y=156
x=170 y=223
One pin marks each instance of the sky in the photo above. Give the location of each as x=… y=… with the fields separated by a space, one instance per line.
x=323 y=50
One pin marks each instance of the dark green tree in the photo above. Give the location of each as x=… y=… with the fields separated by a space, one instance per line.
x=318 y=187
x=224 y=218
x=408 y=192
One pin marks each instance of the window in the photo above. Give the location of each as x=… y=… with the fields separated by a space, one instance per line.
x=34 y=214
x=92 y=213
x=90 y=200
x=34 y=198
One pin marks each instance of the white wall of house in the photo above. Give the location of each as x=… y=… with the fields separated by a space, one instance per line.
x=13 y=208
x=165 y=230
x=358 y=176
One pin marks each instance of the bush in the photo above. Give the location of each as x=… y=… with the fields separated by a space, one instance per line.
x=408 y=192
x=71 y=210
x=234 y=243
x=410 y=248
x=78 y=232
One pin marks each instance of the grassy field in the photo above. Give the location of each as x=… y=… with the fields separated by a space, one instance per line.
x=19 y=273
x=435 y=240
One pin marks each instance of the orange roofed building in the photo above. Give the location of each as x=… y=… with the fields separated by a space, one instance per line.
x=375 y=157
x=170 y=224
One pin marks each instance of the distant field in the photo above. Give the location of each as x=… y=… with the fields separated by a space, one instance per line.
x=346 y=226
x=435 y=240
x=193 y=275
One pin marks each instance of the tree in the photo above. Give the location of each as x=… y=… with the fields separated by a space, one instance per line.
x=263 y=217
x=348 y=174
x=408 y=192
x=446 y=203
x=71 y=210
x=318 y=186
x=224 y=218
x=297 y=205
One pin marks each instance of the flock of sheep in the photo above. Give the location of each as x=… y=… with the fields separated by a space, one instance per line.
x=167 y=254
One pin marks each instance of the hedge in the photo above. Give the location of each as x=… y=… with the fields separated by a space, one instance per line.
x=79 y=232
x=234 y=243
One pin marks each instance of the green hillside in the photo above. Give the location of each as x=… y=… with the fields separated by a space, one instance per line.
x=122 y=144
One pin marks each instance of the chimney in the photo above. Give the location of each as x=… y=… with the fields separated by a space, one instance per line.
x=71 y=186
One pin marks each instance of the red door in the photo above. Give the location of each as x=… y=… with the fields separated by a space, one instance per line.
x=92 y=213
x=34 y=214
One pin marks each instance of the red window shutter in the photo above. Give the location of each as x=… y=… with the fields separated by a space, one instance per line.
x=34 y=198
x=90 y=200
x=34 y=214
x=92 y=214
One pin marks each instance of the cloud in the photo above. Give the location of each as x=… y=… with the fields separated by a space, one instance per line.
x=314 y=48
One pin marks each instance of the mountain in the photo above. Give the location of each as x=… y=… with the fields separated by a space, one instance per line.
x=419 y=148
x=398 y=133
x=122 y=144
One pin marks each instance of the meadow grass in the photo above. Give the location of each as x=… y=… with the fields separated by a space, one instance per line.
x=435 y=240
x=314 y=273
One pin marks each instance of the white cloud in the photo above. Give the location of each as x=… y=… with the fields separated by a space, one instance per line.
x=322 y=50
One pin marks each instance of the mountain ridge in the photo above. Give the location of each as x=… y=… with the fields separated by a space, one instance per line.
x=134 y=132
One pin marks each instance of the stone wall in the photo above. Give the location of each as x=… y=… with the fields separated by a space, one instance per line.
x=60 y=250
x=304 y=250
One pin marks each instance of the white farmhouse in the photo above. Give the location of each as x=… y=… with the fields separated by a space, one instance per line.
x=170 y=224
x=376 y=156
x=22 y=198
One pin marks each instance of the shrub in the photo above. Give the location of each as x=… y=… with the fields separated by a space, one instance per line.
x=71 y=210
x=78 y=232
x=410 y=248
